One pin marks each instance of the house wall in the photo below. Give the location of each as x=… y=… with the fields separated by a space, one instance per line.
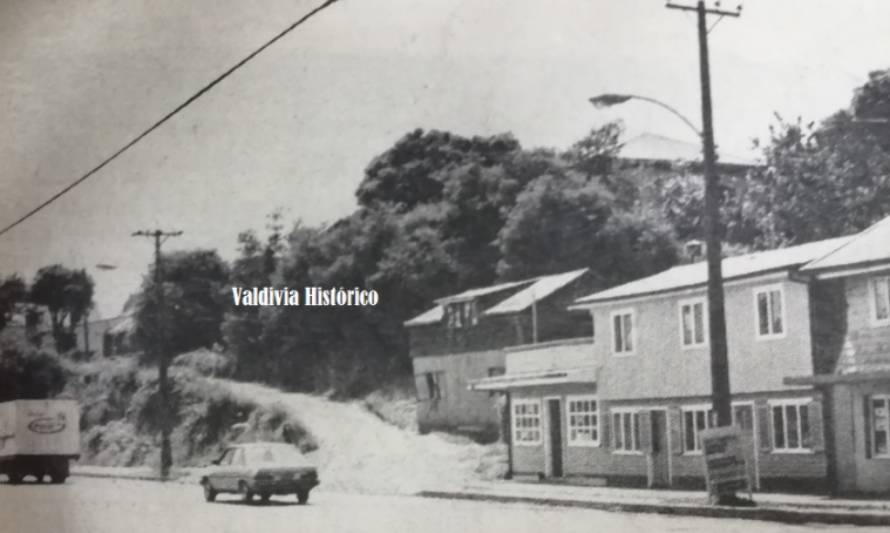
x=459 y=407
x=661 y=368
x=802 y=471
x=857 y=471
x=864 y=343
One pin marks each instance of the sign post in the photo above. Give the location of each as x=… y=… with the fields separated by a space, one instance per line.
x=726 y=470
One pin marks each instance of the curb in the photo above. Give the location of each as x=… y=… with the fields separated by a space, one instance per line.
x=771 y=514
x=135 y=477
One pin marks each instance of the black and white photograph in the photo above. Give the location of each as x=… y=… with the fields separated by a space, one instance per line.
x=382 y=266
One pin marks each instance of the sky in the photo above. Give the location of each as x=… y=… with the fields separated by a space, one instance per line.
x=295 y=128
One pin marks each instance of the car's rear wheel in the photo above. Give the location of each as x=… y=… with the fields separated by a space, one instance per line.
x=244 y=490
x=265 y=497
x=303 y=496
x=209 y=493
x=15 y=477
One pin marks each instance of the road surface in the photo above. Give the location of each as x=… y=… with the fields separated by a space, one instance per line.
x=88 y=505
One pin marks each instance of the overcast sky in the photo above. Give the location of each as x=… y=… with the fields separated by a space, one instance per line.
x=296 y=127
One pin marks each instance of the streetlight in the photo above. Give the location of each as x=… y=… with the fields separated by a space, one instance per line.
x=719 y=359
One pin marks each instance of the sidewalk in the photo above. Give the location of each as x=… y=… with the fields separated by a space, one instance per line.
x=787 y=508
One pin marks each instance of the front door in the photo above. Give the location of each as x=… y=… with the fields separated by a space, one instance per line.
x=743 y=416
x=554 y=419
x=660 y=450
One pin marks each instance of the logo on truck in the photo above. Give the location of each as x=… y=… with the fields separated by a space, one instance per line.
x=47 y=425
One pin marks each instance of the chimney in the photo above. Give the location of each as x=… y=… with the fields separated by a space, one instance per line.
x=695 y=250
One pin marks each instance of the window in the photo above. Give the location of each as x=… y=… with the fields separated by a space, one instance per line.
x=461 y=314
x=880 y=425
x=791 y=425
x=434 y=385
x=693 y=323
x=770 y=308
x=626 y=431
x=584 y=427
x=623 y=332
x=526 y=422
x=880 y=292
x=695 y=420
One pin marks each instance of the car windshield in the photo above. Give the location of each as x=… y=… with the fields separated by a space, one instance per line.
x=274 y=454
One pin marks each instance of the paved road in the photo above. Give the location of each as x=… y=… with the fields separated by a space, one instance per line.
x=86 y=505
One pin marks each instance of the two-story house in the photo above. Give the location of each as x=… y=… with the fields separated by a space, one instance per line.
x=460 y=340
x=809 y=361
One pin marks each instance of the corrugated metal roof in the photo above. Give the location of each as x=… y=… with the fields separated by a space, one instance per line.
x=692 y=275
x=586 y=374
x=870 y=246
x=652 y=147
x=540 y=289
x=482 y=291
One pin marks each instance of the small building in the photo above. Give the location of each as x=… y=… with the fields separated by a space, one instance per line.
x=809 y=361
x=460 y=340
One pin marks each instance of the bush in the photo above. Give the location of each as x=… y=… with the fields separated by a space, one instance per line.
x=29 y=373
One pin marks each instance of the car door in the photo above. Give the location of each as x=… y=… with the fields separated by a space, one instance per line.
x=218 y=476
x=238 y=468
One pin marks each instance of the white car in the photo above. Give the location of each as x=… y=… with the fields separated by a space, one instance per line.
x=262 y=468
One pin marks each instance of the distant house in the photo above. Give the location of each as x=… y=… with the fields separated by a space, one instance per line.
x=809 y=363
x=28 y=322
x=460 y=340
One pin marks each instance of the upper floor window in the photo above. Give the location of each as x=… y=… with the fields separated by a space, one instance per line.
x=695 y=420
x=880 y=297
x=791 y=425
x=461 y=314
x=626 y=430
x=693 y=329
x=623 y=339
x=584 y=427
x=769 y=305
x=526 y=422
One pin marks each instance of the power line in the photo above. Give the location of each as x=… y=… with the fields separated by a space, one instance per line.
x=166 y=117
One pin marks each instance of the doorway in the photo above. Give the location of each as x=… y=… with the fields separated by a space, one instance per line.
x=743 y=417
x=661 y=475
x=554 y=424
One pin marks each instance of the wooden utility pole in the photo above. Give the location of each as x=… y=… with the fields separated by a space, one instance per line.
x=160 y=351
x=716 y=313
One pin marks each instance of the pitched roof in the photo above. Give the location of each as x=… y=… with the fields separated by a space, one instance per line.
x=866 y=248
x=532 y=289
x=696 y=274
x=652 y=147
x=540 y=289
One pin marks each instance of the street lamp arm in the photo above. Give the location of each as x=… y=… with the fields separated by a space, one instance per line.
x=671 y=110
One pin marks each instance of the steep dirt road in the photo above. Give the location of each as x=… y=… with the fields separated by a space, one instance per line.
x=358 y=452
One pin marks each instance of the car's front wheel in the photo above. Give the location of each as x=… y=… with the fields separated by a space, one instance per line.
x=209 y=493
x=303 y=496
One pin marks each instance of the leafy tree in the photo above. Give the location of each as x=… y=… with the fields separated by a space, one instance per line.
x=29 y=373
x=68 y=295
x=565 y=223
x=196 y=296
x=12 y=291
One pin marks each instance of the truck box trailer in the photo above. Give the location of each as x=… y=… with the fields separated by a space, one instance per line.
x=38 y=438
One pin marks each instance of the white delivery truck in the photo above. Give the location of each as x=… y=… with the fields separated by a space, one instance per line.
x=38 y=438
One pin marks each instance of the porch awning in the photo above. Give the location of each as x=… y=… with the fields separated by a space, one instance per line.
x=536 y=379
x=855 y=376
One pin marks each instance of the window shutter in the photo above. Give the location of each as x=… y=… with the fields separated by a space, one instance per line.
x=675 y=417
x=605 y=421
x=817 y=431
x=422 y=388
x=645 y=421
x=763 y=425
x=866 y=413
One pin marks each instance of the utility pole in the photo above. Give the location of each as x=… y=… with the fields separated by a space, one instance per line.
x=716 y=313
x=160 y=351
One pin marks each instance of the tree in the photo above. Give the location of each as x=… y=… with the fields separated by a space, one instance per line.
x=12 y=291
x=196 y=296
x=29 y=373
x=561 y=224
x=68 y=295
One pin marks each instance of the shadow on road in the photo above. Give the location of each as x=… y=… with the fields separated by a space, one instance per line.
x=258 y=503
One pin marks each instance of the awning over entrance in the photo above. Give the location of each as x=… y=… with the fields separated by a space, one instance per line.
x=586 y=374
x=856 y=376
